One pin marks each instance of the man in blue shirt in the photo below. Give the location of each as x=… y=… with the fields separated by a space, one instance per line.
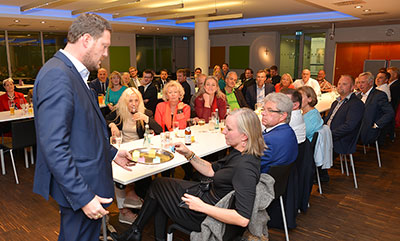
x=279 y=137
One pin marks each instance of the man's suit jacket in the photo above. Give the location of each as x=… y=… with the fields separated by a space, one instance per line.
x=187 y=96
x=73 y=151
x=377 y=110
x=247 y=84
x=159 y=84
x=151 y=95
x=251 y=95
x=95 y=84
x=395 y=94
x=281 y=148
x=345 y=125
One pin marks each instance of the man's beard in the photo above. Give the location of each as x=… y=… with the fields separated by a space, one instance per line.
x=88 y=61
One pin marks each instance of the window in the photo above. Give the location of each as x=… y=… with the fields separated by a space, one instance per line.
x=52 y=42
x=3 y=57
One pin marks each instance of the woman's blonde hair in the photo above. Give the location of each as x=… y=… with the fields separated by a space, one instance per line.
x=249 y=124
x=218 y=93
x=171 y=84
x=289 y=76
x=122 y=107
x=218 y=74
x=8 y=80
x=115 y=73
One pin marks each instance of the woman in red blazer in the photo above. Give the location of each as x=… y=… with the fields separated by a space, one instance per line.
x=172 y=109
x=209 y=99
x=10 y=95
x=286 y=82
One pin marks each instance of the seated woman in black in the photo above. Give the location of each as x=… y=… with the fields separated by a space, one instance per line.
x=239 y=171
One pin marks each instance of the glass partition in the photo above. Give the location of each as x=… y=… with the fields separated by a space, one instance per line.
x=289 y=56
x=314 y=52
x=144 y=52
x=3 y=57
x=163 y=53
x=52 y=42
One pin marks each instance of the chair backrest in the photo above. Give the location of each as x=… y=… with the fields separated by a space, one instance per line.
x=23 y=133
x=281 y=176
x=314 y=141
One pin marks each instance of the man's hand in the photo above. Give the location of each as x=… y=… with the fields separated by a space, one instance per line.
x=94 y=210
x=124 y=159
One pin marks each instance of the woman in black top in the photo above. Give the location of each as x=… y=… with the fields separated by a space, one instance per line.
x=239 y=171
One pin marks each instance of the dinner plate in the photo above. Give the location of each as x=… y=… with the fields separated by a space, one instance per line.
x=147 y=158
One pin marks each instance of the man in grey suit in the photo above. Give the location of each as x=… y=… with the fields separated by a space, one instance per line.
x=73 y=151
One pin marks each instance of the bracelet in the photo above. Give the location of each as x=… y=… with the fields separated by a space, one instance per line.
x=190 y=156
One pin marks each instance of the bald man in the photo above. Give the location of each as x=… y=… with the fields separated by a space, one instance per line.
x=306 y=80
x=101 y=83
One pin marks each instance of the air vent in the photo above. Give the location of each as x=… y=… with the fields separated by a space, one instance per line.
x=347 y=3
x=373 y=13
x=18 y=25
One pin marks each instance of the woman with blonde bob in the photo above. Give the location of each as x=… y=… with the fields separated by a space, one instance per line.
x=286 y=82
x=238 y=171
x=114 y=90
x=172 y=109
x=130 y=116
x=209 y=99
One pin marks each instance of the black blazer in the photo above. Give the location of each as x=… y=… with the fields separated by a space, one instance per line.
x=151 y=95
x=239 y=97
x=112 y=118
x=346 y=124
x=246 y=84
x=395 y=94
x=159 y=84
x=251 y=94
x=377 y=110
x=187 y=96
x=95 y=84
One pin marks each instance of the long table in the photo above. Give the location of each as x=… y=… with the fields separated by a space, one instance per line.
x=325 y=101
x=206 y=142
x=5 y=116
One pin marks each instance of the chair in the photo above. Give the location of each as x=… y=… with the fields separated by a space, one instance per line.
x=342 y=156
x=377 y=153
x=313 y=144
x=281 y=176
x=173 y=227
x=23 y=135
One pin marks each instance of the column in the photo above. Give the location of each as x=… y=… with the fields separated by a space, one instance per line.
x=201 y=46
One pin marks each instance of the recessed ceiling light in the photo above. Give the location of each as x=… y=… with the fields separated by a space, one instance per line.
x=142 y=27
x=358 y=6
x=28 y=35
x=367 y=10
x=16 y=20
x=43 y=21
x=158 y=29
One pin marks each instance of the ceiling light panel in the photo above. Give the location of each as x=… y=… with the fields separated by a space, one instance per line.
x=101 y=7
x=37 y=4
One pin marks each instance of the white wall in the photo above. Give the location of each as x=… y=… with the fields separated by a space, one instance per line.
x=122 y=39
x=257 y=42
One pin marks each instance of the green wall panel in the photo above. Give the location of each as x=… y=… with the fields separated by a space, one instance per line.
x=239 y=57
x=119 y=58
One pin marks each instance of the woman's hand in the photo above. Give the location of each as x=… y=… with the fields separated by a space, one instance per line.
x=110 y=106
x=140 y=116
x=193 y=202
x=114 y=130
x=206 y=98
x=182 y=149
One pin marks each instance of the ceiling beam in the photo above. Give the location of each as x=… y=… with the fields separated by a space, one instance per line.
x=98 y=7
x=182 y=15
x=213 y=18
x=148 y=10
x=37 y=4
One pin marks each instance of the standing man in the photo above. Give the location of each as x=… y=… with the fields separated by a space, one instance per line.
x=73 y=151
x=256 y=93
x=100 y=84
x=306 y=80
x=134 y=78
x=394 y=85
x=148 y=90
x=381 y=82
x=181 y=76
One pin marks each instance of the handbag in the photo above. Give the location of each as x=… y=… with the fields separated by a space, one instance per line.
x=198 y=190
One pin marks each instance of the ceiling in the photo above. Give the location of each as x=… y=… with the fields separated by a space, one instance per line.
x=258 y=15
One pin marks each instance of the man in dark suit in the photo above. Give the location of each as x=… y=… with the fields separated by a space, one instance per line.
x=345 y=116
x=148 y=90
x=275 y=77
x=163 y=80
x=256 y=93
x=181 y=76
x=73 y=151
x=378 y=111
x=394 y=85
x=101 y=83
x=247 y=81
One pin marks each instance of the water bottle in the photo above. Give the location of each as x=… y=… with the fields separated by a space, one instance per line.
x=146 y=140
x=216 y=118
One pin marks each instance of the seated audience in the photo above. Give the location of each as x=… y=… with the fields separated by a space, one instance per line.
x=247 y=81
x=378 y=111
x=279 y=137
x=256 y=93
x=134 y=77
x=162 y=81
x=324 y=85
x=172 y=109
x=306 y=80
x=312 y=117
x=209 y=99
x=126 y=80
x=296 y=118
x=225 y=70
x=221 y=81
x=286 y=82
x=394 y=85
x=190 y=82
x=216 y=67
x=181 y=76
x=200 y=83
x=275 y=77
x=130 y=117
x=148 y=90
x=239 y=171
x=10 y=96
x=114 y=90
x=234 y=98
x=100 y=84
x=381 y=82
x=197 y=72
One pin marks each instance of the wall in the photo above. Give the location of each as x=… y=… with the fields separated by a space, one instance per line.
x=257 y=42
x=122 y=39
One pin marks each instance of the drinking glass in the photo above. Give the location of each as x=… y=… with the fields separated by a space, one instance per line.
x=116 y=140
x=11 y=105
x=176 y=128
x=222 y=125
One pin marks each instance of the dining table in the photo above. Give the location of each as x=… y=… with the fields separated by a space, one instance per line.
x=206 y=141
x=18 y=115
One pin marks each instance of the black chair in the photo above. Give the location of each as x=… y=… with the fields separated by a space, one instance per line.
x=313 y=144
x=281 y=176
x=172 y=228
x=23 y=135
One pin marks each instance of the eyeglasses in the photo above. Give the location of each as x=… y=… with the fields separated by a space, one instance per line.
x=273 y=111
